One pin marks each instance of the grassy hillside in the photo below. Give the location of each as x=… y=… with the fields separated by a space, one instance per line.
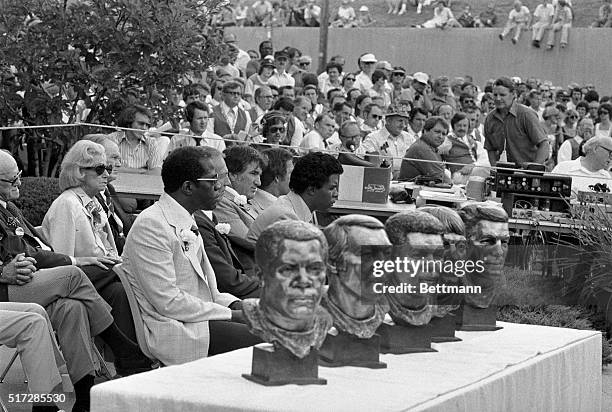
x=585 y=11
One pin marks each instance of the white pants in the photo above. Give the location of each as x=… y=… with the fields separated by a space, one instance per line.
x=518 y=27
x=27 y=327
x=564 y=27
x=538 y=30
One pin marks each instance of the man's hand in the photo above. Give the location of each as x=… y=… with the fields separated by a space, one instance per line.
x=18 y=271
x=100 y=261
x=238 y=316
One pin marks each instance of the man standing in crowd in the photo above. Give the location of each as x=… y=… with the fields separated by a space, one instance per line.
x=442 y=94
x=139 y=153
x=434 y=133
x=512 y=131
x=363 y=81
x=281 y=77
x=418 y=94
x=197 y=114
x=332 y=80
x=314 y=186
x=263 y=102
x=228 y=117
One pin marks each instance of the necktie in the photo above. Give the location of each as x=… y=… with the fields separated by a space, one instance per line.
x=198 y=142
x=231 y=119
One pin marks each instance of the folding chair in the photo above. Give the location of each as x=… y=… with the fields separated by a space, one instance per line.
x=136 y=315
x=8 y=367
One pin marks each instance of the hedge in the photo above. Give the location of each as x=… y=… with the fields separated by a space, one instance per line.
x=36 y=196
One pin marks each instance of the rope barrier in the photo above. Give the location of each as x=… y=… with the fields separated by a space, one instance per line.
x=153 y=132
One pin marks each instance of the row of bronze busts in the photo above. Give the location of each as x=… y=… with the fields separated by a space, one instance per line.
x=388 y=289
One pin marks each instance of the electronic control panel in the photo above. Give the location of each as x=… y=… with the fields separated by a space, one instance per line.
x=539 y=185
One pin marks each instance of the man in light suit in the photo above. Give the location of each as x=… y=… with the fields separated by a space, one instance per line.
x=185 y=315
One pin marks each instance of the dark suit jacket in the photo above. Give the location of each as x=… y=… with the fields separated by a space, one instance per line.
x=11 y=245
x=228 y=269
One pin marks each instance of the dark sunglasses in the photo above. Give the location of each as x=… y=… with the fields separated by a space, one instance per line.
x=233 y=93
x=376 y=116
x=100 y=169
x=604 y=112
x=350 y=78
x=13 y=180
x=277 y=130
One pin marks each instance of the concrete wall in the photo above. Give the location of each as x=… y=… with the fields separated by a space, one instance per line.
x=456 y=52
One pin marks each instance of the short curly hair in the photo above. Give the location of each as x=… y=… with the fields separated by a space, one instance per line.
x=276 y=164
x=401 y=224
x=184 y=164
x=239 y=157
x=313 y=170
x=127 y=115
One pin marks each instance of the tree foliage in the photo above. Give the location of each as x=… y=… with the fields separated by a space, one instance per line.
x=59 y=57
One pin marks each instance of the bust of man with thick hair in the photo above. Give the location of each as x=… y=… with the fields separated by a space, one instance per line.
x=355 y=308
x=291 y=258
x=418 y=236
x=486 y=228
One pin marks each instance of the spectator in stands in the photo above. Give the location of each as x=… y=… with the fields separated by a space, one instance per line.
x=314 y=186
x=228 y=117
x=421 y=3
x=463 y=149
x=443 y=18
x=281 y=77
x=391 y=142
x=195 y=92
x=512 y=131
x=266 y=70
x=185 y=315
x=260 y=10
x=542 y=21
x=442 y=94
x=312 y=14
x=518 y=19
x=274 y=177
x=365 y=19
x=266 y=49
x=372 y=119
x=466 y=19
x=562 y=21
x=332 y=80
x=241 y=12
x=604 y=15
x=317 y=138
x=416 y=122
x=603 y=127
x=277 y=17
x=418 y=93
x=576 y=97
x=435 y=130
x=571 y=149
x=139 y=152
x=569 y=124
x=312 y=92
x=582 y=108
x=27 y=328
x=398 y=77
x=349 y=150
x=348 y=82
x=263 y=102
x=345 y=16
x=379 y=81
x=197 y=114
x=273 y=128
x=487 y=17
x=591 y=168
x=301 y=109
x=445 y=111
x=363 y=81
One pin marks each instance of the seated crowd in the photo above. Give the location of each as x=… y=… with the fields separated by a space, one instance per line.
x=252 y=152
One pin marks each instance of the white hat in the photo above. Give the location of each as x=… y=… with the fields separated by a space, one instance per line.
x=363 y=8
x=383 y=64
x=421 y=77
x=368 y=58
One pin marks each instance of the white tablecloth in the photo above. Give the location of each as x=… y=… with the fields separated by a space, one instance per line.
x=518 y=368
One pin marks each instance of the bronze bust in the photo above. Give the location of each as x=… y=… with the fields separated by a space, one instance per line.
x=355 y=307
x=291 y=258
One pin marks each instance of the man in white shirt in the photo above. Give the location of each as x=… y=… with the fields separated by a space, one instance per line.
x=242 y=58
x=281 y=77
x=228 y=117
x=591 y=168
x=570 y=149
x=391 y=141
x=197 y=114
x=316 y=139
x=518 y=19
x=543 y=16
x=363 y=81
x=332 y=80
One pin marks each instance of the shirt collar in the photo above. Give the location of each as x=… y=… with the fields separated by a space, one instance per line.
x=225 y=108
x=83 y=197
x=3 y=203
x=123 y=136
x=179 y=215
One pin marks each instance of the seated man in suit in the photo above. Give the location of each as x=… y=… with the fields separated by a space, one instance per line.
x=274 y=177
x=314 y=186
x=185 y=315
x=229 y=271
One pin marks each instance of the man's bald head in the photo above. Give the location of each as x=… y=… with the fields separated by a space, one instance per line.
x=7 y=163
x=9 y=177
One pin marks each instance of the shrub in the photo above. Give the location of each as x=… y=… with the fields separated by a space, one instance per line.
x=37 y=194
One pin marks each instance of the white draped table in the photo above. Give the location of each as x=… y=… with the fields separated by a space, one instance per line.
x=518 y=368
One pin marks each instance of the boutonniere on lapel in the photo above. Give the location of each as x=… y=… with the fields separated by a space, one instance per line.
x=189 y=238
x=240 y=200
x=95 y=211
x=223 y=228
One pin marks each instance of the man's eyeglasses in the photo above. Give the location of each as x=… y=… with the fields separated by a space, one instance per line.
x=13 y=180
x=213 y=179
x=99 y=169
x=376 y=116
x=350 y=79
x=233 y=93
x=607 y=150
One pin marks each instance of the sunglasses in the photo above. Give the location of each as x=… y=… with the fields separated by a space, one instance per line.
x=376 y=116
x=304 y=64
x=604 y=112
x=277 y=130
x=352 y=79
x=100 y=169
x=13 y=180
x=233 y=93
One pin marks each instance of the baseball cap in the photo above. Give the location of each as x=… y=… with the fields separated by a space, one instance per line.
x=364 y=8
x=385 y=65
x=397 y=110
x=368 y=58
x=304 y=59
x=399 y=69
x=267 y=61
x=421 y=77
x=281 y=54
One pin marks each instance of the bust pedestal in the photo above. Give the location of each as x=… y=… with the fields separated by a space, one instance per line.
x=400 y=339
x=277 y=366
x=349 y=350
x=443 y=329
x=470 y=318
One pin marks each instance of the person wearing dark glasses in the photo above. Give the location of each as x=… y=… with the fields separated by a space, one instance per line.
x=372 y=119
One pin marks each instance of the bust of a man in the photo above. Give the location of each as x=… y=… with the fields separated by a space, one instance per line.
x=416 y=237
x=351 y=300
x=487 y=234
x=291 y=259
